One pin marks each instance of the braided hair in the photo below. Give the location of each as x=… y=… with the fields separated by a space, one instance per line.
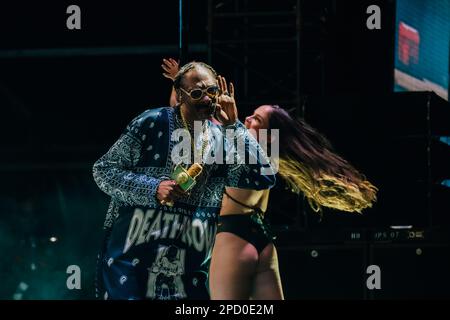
x=189 y=66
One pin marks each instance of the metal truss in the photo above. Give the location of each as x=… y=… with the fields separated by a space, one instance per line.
x=257 y=46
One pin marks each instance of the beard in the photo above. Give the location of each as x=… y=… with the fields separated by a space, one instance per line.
x=205 y=111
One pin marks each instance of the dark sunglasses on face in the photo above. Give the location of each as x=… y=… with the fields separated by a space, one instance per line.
x=197 y=94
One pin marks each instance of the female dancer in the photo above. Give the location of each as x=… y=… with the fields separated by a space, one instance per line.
x=244 y=260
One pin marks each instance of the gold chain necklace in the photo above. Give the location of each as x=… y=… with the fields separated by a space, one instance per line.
x=204 y=135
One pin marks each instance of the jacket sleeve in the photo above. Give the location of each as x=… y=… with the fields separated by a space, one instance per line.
x=114 y=172
x=248 y=166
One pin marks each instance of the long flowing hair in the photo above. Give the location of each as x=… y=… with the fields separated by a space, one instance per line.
x=308 y=164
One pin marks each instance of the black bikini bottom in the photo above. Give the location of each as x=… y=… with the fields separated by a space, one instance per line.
x=250 y=227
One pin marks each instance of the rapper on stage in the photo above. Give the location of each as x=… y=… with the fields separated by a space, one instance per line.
x=158 y=237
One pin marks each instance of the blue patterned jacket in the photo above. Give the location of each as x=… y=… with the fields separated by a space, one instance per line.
x=154 y=251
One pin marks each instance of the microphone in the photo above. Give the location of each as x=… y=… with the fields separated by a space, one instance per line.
x=186 y=179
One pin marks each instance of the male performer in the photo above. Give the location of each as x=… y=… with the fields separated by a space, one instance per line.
x=158 y=237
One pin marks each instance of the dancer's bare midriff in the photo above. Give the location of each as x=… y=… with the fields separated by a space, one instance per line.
x=251 y=198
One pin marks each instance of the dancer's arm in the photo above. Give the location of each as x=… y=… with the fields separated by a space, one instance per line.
x=171 y=67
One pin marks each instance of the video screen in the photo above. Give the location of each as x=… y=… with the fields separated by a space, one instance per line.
x=422 y=46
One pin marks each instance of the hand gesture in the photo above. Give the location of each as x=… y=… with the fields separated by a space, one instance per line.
x=170 y=67
x=226 y=105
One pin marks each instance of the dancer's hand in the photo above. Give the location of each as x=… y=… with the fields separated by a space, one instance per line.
x=226 y=105
x=171 y=67
x=168 y=191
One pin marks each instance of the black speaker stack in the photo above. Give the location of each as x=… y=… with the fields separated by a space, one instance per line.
x=400 y=142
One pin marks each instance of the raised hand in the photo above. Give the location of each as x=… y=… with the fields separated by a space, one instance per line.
x=226 y=105
x=171 y=67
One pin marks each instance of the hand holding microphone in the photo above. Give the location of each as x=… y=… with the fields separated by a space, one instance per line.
x=168 y=191
x=183 y=181
x=186 y=178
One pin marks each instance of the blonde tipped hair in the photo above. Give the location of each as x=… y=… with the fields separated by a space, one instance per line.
x=325 y=190
x=310 y=166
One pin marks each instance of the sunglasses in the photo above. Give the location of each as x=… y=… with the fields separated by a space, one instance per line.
x=197 y=94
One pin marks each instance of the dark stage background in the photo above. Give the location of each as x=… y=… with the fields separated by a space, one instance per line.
x=66 y=95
